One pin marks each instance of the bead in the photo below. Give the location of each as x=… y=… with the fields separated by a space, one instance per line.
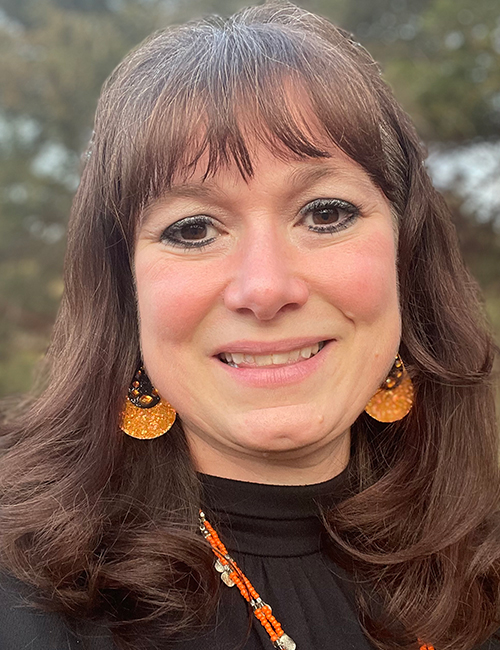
x=232 y=575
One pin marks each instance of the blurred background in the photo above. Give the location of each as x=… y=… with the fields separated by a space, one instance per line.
x=441 y=57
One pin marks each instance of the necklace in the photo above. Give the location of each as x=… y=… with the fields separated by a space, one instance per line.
x=231 y=575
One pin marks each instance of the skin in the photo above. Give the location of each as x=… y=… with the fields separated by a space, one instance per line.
x=267 y=277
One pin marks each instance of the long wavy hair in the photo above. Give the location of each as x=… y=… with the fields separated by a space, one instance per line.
x=105 y=525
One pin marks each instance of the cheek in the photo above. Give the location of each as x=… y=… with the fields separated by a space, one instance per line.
x=365 y=278
x=172 y=298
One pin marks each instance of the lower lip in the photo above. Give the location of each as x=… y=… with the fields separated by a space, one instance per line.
x=272 y=376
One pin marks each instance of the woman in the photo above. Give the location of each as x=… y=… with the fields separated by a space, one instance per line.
x=257 y=264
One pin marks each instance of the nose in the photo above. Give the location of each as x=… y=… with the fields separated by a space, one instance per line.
x=266 y=279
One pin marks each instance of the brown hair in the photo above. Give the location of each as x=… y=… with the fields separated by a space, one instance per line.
x=106 y=525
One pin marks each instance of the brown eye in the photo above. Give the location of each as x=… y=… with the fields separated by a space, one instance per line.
x=329 y=215
x=191 y=232
x=326 y=215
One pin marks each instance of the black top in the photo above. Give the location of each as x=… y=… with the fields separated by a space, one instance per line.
x=277 y=538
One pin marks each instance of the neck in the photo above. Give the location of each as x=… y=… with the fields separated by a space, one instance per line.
x=304 y=466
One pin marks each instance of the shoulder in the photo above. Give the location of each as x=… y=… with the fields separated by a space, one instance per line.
x=22 y=626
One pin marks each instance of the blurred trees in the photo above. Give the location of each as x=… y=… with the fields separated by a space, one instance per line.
x=54 y=58
x=442 y=57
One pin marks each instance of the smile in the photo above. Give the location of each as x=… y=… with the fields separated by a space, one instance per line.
x=237 y=360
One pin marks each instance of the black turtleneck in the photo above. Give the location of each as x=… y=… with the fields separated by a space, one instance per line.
x=276 y=536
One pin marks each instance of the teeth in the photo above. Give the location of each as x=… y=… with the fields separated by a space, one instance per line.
x=280 y=358
x=236 y=359
x=306 y=353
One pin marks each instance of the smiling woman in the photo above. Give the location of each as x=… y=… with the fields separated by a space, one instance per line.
x=264 y=291
x=283 y=267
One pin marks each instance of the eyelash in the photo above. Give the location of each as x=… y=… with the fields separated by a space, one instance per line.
x=176 y=227
x=352 y=213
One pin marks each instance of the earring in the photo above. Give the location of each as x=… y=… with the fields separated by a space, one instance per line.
x=395 y=398
x=145 y=415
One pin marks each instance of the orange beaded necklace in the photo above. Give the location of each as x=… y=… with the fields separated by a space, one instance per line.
x=232 y=575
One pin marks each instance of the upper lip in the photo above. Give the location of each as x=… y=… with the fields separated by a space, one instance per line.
x=268 y=347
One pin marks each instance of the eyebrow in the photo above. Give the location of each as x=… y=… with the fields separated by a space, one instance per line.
x=304 y=176
x=298 y=179
x=307 y=175
x=206 y=190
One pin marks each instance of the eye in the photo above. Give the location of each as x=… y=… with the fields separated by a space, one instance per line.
x=191 y=232
x=329 y=215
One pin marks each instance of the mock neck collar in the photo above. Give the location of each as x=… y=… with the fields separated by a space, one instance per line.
x=270 y=520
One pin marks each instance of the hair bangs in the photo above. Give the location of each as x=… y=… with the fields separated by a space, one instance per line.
x=120 y=542
x=215 y=93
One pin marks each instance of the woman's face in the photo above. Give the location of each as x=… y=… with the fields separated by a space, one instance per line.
x=239 y=282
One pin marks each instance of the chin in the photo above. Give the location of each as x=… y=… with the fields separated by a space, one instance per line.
x=278 y=430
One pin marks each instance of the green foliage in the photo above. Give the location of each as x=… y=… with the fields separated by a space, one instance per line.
x=55 y=57
x=442 y=57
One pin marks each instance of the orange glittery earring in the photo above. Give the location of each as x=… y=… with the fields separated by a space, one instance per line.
x=395 y=398
x=145 y=415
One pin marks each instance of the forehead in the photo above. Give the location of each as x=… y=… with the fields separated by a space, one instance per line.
x=283 y=175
